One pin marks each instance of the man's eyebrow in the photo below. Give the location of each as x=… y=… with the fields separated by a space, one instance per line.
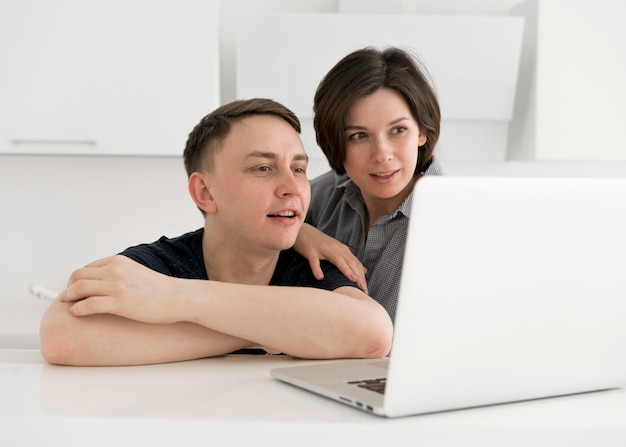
x=261 y=154
x=298 y=157
x=272 y=155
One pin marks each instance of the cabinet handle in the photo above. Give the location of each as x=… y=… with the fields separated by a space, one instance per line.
x=19 y=142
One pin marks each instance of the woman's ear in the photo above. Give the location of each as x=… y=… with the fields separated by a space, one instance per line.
x=200 y=191
x=421 y=141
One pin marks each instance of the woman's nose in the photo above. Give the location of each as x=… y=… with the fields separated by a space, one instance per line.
x=381 y=151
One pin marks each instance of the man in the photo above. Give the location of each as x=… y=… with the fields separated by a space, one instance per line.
x=233 y=284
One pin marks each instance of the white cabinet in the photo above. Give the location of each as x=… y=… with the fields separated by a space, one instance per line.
x=105 y=76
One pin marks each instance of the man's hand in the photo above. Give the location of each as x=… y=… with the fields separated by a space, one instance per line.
x=120 y=286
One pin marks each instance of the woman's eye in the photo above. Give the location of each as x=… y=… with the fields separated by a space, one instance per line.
x=357 y=136
x=399 y=129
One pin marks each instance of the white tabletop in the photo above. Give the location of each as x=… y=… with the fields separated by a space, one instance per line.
x=234 y=400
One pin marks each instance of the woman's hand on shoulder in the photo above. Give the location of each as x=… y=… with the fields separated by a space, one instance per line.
x=316 y=246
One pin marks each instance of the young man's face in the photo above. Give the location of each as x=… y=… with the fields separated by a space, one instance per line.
x=259 y=183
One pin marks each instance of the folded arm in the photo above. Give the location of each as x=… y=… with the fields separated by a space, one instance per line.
x=109 y=340
x=117 y=311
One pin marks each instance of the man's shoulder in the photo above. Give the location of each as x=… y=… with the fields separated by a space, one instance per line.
x=188 y=242
x=179 y=256
x=293 y=269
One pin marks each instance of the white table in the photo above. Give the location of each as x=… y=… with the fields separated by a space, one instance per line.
x=233 y=400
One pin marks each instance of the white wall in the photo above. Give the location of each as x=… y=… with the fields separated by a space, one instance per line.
x=571 y=99
x=474 y=74
x=60 y=212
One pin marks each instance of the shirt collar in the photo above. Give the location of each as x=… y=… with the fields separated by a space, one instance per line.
x=352 y=194
x=354 y=198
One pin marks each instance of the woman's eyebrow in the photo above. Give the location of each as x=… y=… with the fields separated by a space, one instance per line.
x=391 y=123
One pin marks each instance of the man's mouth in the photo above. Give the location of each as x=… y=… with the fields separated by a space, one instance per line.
x=283 y=214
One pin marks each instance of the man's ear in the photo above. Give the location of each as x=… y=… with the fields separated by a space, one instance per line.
x=200 y=191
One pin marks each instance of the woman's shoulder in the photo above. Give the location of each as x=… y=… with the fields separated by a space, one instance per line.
x=328 y=181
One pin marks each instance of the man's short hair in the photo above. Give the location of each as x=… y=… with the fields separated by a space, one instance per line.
x=207 y=136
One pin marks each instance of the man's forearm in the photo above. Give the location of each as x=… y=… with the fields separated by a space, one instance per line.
x=109 y=340
x=300 y=321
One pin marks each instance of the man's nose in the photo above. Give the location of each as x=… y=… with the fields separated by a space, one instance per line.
x=289 y=184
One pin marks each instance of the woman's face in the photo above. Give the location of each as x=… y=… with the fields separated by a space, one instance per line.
x=382 y=138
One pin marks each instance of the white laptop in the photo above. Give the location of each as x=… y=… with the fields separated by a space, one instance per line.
x=512 y=289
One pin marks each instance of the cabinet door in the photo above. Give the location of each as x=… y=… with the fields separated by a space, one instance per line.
x=105 y=76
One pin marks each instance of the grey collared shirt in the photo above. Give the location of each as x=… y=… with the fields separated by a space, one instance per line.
x=337 y=208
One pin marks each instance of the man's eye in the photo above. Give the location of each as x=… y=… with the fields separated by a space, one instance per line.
x=263 y=168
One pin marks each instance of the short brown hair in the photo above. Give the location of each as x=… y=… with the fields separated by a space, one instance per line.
x=362 y=73
x=207 y=136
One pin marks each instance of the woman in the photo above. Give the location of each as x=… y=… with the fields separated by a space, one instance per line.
x=377 y=119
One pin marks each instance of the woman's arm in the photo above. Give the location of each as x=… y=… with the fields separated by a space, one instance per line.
x=316 y=245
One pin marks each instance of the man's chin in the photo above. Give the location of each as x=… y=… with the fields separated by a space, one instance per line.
x=287 y=244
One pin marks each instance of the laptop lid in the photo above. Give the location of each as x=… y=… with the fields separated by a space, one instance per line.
x=512 y=289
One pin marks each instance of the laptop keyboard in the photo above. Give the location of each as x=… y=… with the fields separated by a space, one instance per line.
x=376 y=385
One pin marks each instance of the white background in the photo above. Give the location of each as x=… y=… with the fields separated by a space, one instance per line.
x=60 y=212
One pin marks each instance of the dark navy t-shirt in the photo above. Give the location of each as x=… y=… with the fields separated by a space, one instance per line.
x=182 y=257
